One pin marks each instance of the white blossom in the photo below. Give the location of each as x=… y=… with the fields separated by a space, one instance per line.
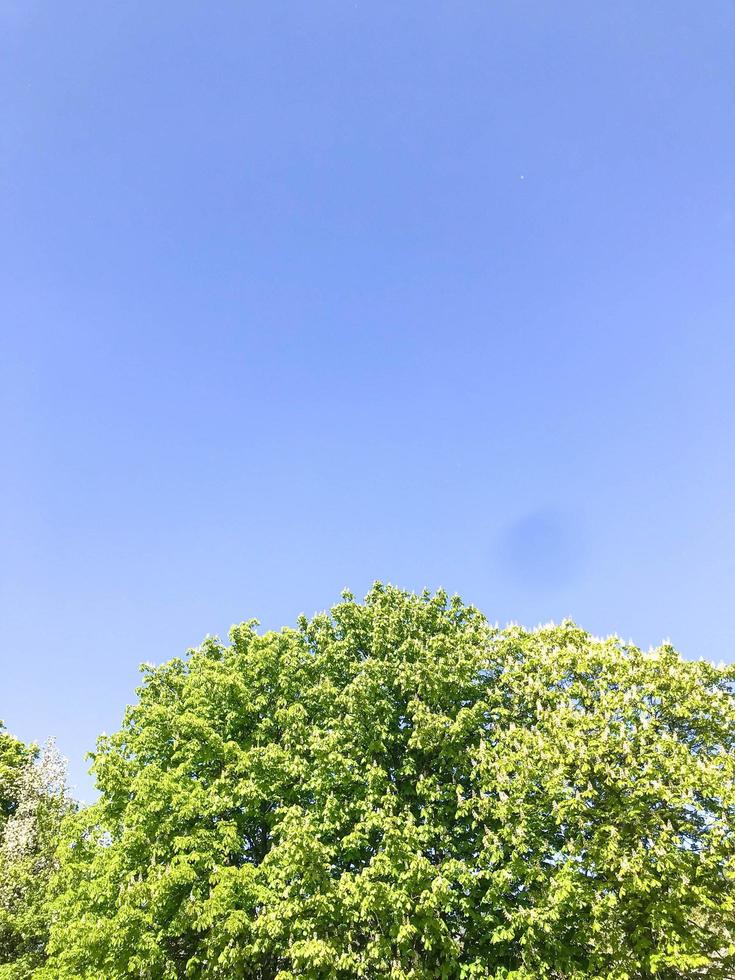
x=42 y=778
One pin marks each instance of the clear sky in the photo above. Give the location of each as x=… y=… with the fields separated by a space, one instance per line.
x=295 y=296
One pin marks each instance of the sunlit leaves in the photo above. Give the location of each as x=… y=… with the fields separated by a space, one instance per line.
x=34 y=788
x=397 y=789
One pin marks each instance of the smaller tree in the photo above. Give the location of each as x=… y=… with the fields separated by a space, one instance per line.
x=34 y=799
x=13 y=757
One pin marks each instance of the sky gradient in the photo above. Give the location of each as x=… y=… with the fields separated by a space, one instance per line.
x=298 y=296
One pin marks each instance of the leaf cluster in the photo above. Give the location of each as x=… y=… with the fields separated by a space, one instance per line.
x=398 y=789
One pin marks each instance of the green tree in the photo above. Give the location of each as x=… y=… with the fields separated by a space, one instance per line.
x=13 y=756
x=34 y=802
x=397 y=789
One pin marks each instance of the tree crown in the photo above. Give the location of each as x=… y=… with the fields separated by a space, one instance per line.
x=397 y=788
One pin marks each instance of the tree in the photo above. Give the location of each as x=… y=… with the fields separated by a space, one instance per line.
x=13 y=756
x=34 y=802
x=398 y=789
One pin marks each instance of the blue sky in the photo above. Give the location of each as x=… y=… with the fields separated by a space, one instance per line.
x=297 y=296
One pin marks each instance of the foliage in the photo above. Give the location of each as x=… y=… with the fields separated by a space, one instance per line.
x=397 y=789
x=35 y=801
x=13 y=756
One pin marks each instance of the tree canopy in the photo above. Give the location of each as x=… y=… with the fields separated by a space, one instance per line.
x=33 y=804
x=399 y=789
x=13 y=757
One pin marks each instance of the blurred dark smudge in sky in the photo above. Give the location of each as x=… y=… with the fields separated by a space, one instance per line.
x=542 y=550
